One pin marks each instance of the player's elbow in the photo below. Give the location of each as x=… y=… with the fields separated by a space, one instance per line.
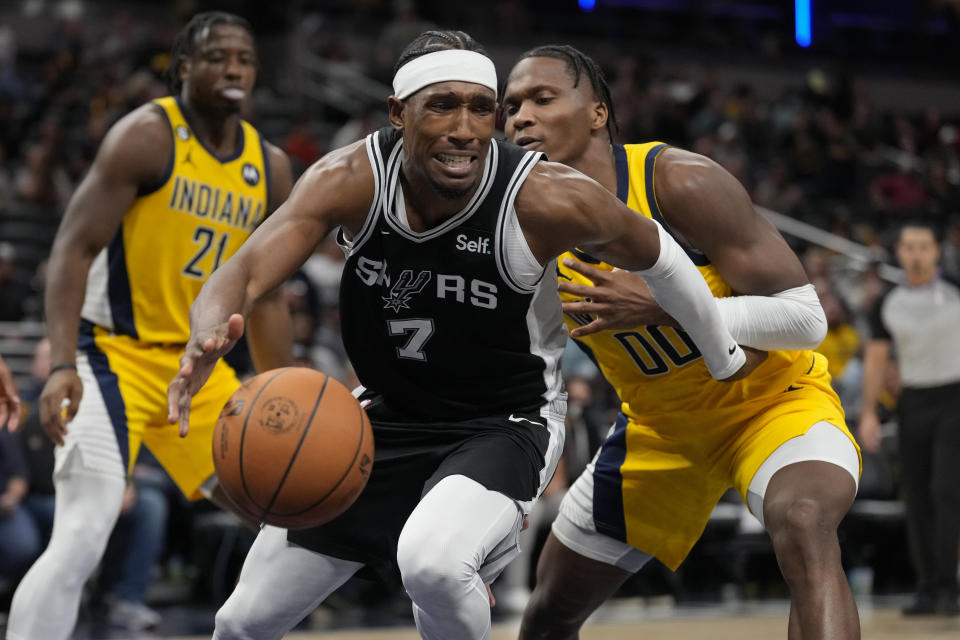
x=813 y=325
x=818 y=327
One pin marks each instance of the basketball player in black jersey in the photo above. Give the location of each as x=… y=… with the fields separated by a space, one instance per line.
x=452 y=321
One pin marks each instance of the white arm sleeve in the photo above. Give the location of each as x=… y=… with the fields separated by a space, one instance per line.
x=791 y=319
x=683 y=293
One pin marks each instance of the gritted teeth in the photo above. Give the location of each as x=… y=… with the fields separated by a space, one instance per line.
x=234 y=94
x=454 y=161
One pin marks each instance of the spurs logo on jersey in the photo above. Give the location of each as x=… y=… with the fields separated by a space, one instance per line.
x=405 y=287
x=448 y=286
x=451 y=297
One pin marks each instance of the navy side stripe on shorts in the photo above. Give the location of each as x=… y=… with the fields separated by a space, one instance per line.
x=109 y=389
x=608 y=483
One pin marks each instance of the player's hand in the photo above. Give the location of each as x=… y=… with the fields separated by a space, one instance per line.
x=755 y=358
x=200 y=357
x=618 y=299
x=59 y=402
x=869 y=431
x=9 y=399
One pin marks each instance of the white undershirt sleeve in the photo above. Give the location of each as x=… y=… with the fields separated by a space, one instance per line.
x=790 y=320
x=683 y=293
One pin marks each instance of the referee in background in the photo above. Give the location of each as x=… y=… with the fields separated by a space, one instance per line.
x=921 y=320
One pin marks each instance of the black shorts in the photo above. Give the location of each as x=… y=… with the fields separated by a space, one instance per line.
x=503 y=453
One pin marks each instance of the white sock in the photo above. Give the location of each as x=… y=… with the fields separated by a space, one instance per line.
x=47 y=600
x=280 y=584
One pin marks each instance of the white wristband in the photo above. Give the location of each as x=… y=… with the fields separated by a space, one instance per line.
x=683 y=293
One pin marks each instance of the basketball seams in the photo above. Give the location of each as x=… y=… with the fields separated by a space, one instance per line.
x=293 y=456
x=243 y=436
x=364 y=421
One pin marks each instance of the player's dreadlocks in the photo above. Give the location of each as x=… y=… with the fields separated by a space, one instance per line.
x=185 y=43
x=579 y=63
x=430 y=41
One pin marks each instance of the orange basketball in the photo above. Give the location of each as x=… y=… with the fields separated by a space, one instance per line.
x=293 y=448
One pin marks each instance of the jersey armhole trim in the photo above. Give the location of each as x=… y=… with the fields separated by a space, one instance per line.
x=152 y=187
x=520 y=174
x=266 y=175
x=650 y=162
x=374 y=155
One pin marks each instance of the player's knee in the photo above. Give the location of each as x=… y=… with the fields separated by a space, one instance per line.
x=801 y=525
x=430 y=571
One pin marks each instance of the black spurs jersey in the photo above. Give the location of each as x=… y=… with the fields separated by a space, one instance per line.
x=439 y=322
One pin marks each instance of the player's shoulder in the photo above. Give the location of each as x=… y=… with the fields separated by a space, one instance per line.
x=277 y=159
x=140 y=142
x=679 y=171
x=148 y=120
x=342 y=179
x=551 y=188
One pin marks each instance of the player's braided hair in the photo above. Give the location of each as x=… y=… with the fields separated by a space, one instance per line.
x=579 y=63
x=185 y=44
x=430 y=41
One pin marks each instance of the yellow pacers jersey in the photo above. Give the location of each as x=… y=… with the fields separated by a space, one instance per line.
x=176 y=233
x=657 y=371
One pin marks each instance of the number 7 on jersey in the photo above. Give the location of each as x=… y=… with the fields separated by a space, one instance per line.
x=419 y=329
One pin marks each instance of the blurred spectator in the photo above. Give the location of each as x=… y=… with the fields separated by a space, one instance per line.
x=40 y=180
x=397 y=33
x=14 y=289
x=370 y=119
x=776 y=190
x=950 y=250
x=19 y=539
x=301 y=146
x=900 y=190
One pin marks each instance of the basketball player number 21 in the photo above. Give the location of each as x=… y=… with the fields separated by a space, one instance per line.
x=419 y=329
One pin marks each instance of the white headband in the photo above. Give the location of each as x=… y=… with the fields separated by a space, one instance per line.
x=444 y=66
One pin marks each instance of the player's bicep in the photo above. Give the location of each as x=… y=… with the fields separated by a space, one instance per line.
x=328 y=195
x=711 y=210
x=560 y=208
x=135 y=152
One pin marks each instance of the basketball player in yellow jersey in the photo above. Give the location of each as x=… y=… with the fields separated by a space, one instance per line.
x=176 y=188
x=778 y=436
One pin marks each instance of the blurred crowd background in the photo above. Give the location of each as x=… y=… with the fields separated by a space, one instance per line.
x=848 y=138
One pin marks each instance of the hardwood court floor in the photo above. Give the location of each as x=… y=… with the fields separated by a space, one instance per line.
x=876 y=624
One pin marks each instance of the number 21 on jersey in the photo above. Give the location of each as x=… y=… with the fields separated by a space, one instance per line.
x=207 y=239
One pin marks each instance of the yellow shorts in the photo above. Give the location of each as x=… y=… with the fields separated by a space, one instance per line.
x=657 y=478
x=124 y=404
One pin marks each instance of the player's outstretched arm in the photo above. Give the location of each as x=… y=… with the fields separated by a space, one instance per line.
x=9 y=399
x=269 y=327
x=560 y=208
x=135 y=152
x=336 y=191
